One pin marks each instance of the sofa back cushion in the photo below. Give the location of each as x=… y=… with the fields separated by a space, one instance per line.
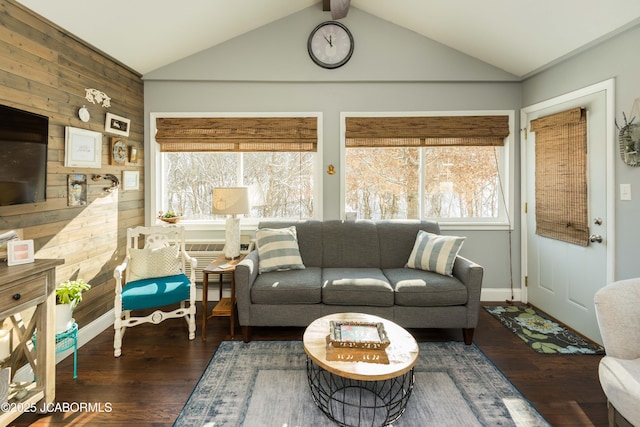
x=350 y=244
x=309 y=235
x=397 y=239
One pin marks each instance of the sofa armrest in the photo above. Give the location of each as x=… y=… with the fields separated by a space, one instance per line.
x=244 y=276
x=470 y=274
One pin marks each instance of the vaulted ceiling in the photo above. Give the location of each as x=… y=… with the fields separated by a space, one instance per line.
x=518 y=36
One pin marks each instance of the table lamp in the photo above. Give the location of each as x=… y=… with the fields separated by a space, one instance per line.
x=231 y=201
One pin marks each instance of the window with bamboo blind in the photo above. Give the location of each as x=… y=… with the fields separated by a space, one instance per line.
x=561 y=176
x=273 y=156
x=445 y=167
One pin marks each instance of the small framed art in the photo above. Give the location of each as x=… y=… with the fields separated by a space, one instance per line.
x=19 y=252
x=82 y=148
x=130 y=180
x=116 y=124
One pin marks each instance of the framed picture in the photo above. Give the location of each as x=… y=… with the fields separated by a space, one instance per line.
x=20 y=252
x=130 y=180
x=82 y=148
x=116 y=124
x=77 y=190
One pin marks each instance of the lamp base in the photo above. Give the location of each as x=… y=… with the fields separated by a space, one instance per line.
x=232 y=238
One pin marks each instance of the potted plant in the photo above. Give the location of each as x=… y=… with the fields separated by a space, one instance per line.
x=68 y=296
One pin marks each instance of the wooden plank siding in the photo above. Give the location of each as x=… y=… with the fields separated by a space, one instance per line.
x=45 y=70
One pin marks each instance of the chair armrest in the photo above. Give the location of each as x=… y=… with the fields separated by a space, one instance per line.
x=193 y=263
x=619 y=318
x=470 y=274
x=119 y=273
x=245 y=274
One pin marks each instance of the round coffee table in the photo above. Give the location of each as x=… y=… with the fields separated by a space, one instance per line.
x=358 y=393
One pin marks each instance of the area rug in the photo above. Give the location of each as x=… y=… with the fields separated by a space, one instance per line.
x=541 y=333
x=264 y=383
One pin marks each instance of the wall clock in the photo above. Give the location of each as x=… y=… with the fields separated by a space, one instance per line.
x=330 y=44
x=118 y=153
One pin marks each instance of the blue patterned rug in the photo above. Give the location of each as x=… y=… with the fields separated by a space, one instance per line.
x=264 y=383
x=540 y=332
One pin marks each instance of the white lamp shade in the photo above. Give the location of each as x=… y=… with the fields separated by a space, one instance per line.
x=230 y=200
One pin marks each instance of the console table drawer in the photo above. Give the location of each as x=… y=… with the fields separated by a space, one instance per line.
x=31 y=292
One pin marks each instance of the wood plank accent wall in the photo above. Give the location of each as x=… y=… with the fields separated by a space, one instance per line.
x=45 y=70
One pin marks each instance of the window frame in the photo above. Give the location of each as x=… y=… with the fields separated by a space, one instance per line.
x=155 y=190
x=506 y=164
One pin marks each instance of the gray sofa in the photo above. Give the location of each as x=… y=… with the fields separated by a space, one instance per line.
x=358 y=266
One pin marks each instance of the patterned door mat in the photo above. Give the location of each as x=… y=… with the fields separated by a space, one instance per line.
x=541 y=333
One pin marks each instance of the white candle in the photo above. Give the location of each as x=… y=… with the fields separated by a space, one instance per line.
x=5 y=343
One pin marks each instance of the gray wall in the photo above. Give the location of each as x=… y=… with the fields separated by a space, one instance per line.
x=615 y=58
x=392 y=69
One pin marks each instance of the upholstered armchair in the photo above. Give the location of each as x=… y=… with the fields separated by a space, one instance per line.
x=618 y=312
x=153 y=275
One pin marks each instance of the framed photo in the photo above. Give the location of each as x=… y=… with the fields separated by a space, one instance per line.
x=77 y=190
x=130 y=180
x=116 y=124
x=82 y=148
x=20 y=252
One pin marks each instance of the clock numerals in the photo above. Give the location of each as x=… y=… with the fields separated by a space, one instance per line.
x=330 y=44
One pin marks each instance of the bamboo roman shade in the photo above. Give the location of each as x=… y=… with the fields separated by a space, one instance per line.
x=561 y=176
x=426 y=131
x=237 y=134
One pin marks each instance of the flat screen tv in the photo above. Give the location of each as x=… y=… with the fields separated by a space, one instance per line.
x=23 y=156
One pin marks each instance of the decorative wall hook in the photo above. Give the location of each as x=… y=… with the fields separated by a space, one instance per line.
x=95 y=96
x=115 y=182
x=331 y=170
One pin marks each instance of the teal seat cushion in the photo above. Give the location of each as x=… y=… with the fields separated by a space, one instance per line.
x=155 y=292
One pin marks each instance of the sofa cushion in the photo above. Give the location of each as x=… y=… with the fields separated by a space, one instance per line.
x=309 y=233
x=288 y=287
x=432 y=252
x=153 y=262
x=352 y=244
x=356 y=286
x=418 y=288
x=278 y=249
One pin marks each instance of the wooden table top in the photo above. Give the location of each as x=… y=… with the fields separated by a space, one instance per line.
x=223 y=265
x=402 y=352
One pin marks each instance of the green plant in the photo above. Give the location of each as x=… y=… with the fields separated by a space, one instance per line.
x=70 y=291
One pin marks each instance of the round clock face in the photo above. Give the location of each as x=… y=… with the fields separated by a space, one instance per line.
x=119 y=152
x=330 y=44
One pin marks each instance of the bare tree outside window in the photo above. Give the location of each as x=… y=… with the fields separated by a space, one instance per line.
x=428 y=182
x=280 y=183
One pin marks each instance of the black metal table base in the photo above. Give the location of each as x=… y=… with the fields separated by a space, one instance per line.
x=359 y=403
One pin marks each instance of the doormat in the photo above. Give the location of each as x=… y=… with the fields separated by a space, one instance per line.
x=541 y=333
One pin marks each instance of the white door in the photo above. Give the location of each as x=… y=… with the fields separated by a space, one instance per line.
x=562 y=278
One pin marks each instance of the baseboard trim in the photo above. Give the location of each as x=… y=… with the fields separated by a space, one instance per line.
x=500 y=294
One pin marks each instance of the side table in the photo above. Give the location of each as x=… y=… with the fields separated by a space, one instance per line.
x=226 y=306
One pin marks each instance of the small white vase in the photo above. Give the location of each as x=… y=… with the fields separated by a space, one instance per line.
x=64 y=317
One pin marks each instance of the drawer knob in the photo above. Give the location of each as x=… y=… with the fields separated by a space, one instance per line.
x=17 y=297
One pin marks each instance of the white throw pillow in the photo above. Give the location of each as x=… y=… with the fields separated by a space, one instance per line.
x=433 y=252
x=153 y=262
x=278 y=249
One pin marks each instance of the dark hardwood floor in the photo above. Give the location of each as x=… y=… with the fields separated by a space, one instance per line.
x=159 y=367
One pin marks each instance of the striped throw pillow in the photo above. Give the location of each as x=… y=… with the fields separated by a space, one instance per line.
x=433 y=252
x=278 y=249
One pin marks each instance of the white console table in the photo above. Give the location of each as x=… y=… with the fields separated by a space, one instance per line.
x=27 y=298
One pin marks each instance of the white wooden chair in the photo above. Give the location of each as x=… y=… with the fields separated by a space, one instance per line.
x=154 y=276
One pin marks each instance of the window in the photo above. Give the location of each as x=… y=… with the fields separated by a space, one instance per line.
x=418 y=167
x=276 y=157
